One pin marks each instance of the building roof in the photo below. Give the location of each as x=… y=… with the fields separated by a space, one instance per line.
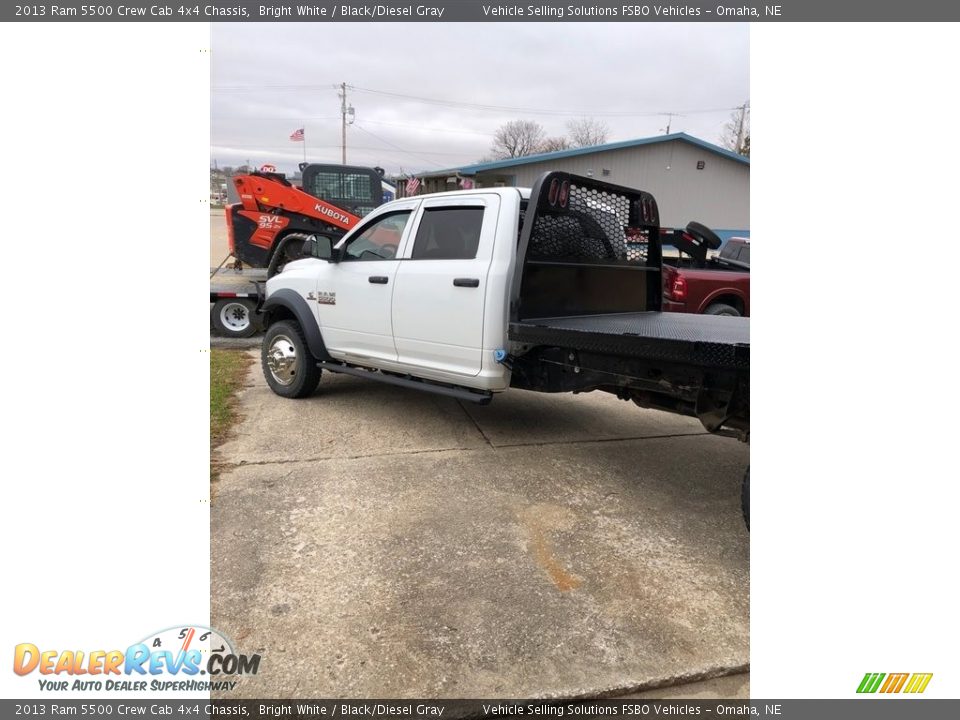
x=561 y=154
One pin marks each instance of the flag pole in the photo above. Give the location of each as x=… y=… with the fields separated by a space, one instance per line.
x=304 y=142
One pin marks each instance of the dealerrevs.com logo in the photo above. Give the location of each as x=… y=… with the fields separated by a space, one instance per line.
x=183 y=658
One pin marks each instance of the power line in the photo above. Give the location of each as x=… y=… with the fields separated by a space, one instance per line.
x=536 y=111
x=231 y=146
x=359 y=127
x=429 y=129
x=478 y=106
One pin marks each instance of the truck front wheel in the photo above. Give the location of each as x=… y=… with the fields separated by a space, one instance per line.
x=289 y=368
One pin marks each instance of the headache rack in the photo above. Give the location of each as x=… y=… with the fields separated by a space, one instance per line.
x=586 y=247
x=585 y=311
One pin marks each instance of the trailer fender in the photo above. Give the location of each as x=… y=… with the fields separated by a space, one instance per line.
x=286 y=302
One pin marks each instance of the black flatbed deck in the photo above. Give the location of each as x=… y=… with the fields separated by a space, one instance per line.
x=707 y=341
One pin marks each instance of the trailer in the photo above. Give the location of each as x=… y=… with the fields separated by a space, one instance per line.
x=235 y=296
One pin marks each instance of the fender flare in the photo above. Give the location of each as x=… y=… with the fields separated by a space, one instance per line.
x=294 y=302
x=720 y=292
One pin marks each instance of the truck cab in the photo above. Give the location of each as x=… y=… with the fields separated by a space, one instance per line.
x=414 y=285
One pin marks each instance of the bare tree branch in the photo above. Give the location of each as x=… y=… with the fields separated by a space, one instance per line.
x=554 y=144
x=517 y=138
x=736 y=132
x=584 y=132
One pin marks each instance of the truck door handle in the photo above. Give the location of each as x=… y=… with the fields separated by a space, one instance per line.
x=466 y=282
x=379 y=279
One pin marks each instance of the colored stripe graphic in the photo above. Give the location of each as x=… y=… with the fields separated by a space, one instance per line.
x=870 y=682
x=894 y=682
x=918 y=682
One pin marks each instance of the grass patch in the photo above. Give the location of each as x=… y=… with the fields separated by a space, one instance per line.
x=228 y=368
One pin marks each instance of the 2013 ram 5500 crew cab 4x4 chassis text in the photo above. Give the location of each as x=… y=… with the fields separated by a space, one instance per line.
x=469 y=293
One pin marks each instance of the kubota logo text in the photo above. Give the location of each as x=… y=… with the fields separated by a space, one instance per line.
x=324 y=210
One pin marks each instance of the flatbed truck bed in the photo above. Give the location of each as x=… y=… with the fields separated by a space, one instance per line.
x=696 y=340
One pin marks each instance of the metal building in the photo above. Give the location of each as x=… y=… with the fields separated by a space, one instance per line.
x=691 y=178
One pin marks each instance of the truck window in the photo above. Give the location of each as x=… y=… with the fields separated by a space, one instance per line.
x=379 y=240
x=448 y=233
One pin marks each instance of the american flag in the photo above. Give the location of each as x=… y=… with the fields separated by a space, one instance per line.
x=297 y=135
x=413 y=184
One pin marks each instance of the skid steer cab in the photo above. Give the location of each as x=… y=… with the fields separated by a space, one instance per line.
x=268 y=226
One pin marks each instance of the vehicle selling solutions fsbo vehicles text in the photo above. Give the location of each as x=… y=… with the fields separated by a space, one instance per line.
x=626 y=11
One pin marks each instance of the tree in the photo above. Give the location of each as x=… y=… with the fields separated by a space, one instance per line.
x=517 y=138
x=554 y=144
x=584 y=132
x=736 y=131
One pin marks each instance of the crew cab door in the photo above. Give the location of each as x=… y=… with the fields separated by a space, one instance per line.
x=441 y=285
x=353 y=296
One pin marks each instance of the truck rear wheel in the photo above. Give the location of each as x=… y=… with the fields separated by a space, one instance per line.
x=721 y=309
x=288 y=367
x=234 y=317
x=745 y=497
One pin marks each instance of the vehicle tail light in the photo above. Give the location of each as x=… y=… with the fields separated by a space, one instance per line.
x=552 y=193
x=675 y=286
x=564 y=194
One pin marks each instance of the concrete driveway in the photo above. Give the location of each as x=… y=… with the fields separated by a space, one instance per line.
x=372 y=541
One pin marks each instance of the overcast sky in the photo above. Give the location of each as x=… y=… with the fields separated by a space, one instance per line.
x=270 y=79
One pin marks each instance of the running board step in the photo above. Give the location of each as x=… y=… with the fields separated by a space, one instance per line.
x=460 y=393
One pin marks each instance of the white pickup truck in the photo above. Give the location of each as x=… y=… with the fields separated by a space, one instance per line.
x=469 y=293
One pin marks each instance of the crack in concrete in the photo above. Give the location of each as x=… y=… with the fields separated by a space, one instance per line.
x=325 y=458
x=674 y=681
x=475 y=424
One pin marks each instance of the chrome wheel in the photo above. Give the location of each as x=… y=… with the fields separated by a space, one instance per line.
x=235 y=317
x=282 y=360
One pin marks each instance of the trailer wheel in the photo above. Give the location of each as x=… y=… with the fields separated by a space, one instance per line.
x=722 y=309
x=289 y=368
x=234 y=317
x=745 y=497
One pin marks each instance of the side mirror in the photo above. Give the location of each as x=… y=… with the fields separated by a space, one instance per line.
x=318 y=246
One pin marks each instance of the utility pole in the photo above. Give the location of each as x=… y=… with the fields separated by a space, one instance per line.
x=344 y=111
x=743 y=115
x=343 y=123
x=670 y=116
